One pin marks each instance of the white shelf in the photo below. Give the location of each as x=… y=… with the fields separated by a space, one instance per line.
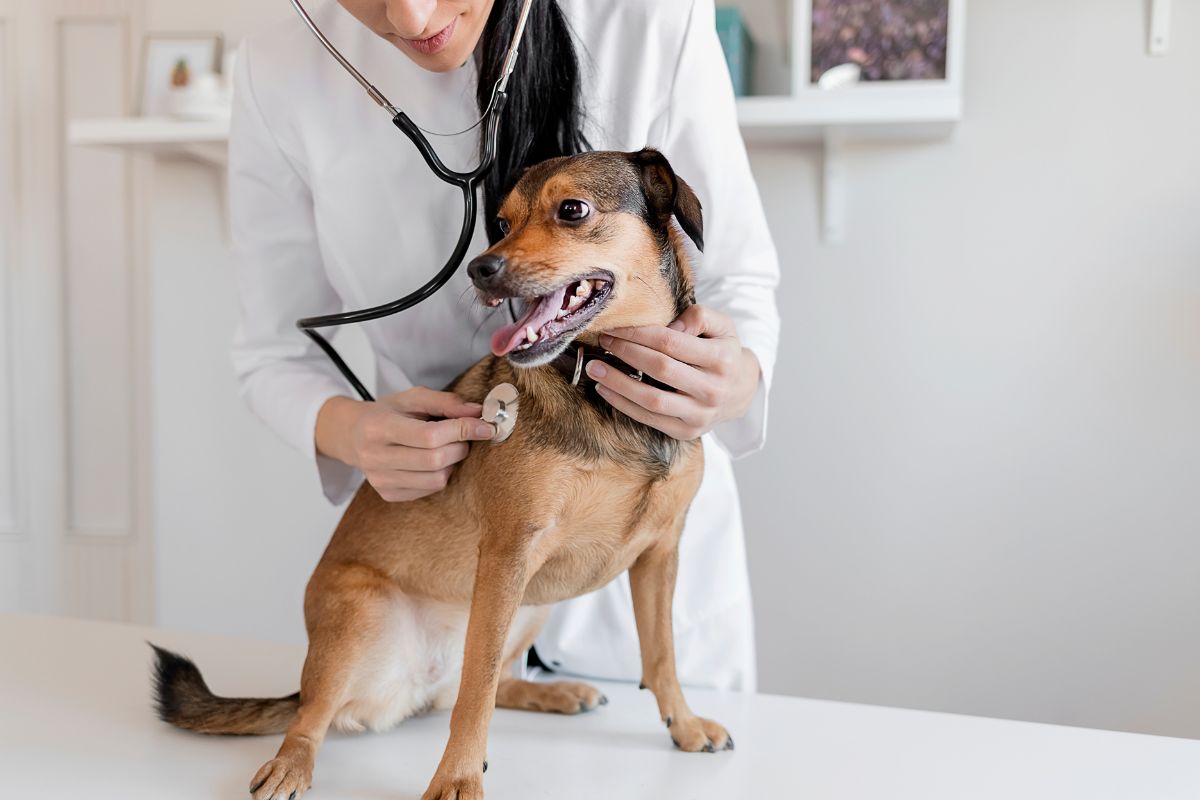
x=858 y=113
x=806 y=118
x=917 y=111
x=203 y=140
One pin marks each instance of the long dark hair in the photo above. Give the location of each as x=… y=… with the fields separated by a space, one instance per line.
x=544 y=115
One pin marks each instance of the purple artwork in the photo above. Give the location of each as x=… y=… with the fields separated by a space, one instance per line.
x=891 y=40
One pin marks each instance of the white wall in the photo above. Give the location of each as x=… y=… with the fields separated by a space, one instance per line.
x=980 y=492
x=982 y=488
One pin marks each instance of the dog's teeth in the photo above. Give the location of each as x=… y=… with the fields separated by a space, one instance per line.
x=562 y=312
x=530 y=334
x=583 y=289
x=574 y=303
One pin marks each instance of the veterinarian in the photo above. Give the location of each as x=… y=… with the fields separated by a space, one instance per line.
x=332 y=208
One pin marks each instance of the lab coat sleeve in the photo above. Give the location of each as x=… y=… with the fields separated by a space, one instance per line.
x=739 y=269
x=283 y=376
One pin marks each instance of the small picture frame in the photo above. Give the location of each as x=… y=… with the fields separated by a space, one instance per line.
x=173 y=60
x=880 y=40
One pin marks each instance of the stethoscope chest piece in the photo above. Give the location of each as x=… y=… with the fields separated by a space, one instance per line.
x=500 y=409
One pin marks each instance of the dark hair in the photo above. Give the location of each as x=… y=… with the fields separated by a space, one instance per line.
x=544 y=116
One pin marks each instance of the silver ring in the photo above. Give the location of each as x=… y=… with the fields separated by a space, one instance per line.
x=578 y=365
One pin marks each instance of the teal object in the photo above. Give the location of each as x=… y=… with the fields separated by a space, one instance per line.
x=739 y=49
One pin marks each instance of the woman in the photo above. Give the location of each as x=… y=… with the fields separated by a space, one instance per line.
x=332 y=208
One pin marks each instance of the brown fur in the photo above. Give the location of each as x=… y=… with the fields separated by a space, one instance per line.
x=577 y=495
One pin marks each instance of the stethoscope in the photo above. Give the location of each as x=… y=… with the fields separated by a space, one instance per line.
x=466 y=181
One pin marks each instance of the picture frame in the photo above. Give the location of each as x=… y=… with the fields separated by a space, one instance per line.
x=880 y=40
x=173 y=60
x=949 y=84
x=783 y=54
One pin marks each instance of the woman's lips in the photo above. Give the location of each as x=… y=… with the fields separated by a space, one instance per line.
x=436 y=42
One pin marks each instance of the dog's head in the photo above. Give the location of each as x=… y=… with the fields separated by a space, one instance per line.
x=589 y=246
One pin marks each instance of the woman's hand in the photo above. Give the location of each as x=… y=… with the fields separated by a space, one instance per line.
x=406 y=443
x=699 y=355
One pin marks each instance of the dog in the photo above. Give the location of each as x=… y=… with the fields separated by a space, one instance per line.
x=428 y=604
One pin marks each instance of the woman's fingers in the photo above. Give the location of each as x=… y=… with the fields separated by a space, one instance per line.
x=676 y=415
x=420 y=400
x=671 y=426
x=698 y=320
x=652 y=399
x=415 y=459
x=442 y=432
x=400 y=429
x=400 y=485
x=408 y=443
x=686 y=339
x=684 y=347
x=660 y=365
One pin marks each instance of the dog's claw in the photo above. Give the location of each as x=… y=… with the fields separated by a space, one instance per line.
x=603 y=700
x=708 y=748
x=257 y=786
x=641 y=685
x=729 y=743
x=674 y=741
x=485 y=766
x=669 y=720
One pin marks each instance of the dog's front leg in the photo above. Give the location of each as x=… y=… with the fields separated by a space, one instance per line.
x=652 y=581
x=500 y=581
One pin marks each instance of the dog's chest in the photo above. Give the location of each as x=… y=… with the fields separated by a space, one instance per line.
x=608 y=517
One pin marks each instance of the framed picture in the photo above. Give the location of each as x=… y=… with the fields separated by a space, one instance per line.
x=880 y=40
x=173 y=60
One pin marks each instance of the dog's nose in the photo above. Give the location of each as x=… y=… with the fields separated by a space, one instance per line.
x=485 y=270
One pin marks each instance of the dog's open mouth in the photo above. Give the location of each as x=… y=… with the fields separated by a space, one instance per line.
x=544 y=328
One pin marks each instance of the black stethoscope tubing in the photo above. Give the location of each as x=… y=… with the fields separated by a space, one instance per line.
x=467 y=182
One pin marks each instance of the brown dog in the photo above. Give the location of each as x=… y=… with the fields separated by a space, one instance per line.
x=577 y=495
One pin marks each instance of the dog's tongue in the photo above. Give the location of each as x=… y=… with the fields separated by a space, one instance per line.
x=538 y=313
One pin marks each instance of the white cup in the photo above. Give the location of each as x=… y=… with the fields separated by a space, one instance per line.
x=205 y=89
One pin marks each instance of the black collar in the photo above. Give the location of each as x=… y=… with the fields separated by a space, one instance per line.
x=571 y=362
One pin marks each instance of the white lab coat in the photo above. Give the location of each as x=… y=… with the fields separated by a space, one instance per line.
x=333 y=208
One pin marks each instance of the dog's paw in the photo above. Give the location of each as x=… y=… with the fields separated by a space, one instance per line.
x=461 y=788
x=563 y=697
x=699 y=735
x=281 y=779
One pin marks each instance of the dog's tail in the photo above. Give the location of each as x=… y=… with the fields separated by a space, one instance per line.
x=182 y=698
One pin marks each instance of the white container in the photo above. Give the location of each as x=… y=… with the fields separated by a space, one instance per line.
x=205 y=97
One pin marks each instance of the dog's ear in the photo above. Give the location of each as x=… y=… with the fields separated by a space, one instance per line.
x=667 y=194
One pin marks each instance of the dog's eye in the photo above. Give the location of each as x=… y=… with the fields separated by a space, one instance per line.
x=503 y=225
x=573 y=210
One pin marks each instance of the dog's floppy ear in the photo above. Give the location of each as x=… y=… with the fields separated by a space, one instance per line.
x=667 y=194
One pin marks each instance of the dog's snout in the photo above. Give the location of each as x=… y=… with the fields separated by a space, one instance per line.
x=486 y=270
